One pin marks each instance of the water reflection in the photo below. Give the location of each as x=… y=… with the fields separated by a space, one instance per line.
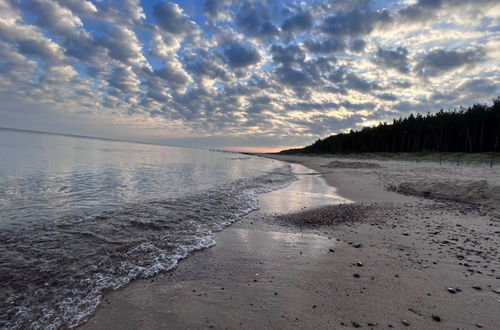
x=309 y=191
x=45 y=176
x=279 y=243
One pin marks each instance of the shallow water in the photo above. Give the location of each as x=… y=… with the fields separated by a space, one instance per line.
x=79 y=216
x=311 y=191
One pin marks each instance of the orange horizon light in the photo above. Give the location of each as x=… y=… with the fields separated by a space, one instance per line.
x=256 y=149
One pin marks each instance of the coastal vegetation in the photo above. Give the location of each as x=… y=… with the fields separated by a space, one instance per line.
x=472 y=130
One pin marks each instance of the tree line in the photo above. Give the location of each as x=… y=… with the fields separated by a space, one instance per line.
x=475 y=129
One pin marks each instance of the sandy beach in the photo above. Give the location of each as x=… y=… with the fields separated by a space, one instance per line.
x=352 y=244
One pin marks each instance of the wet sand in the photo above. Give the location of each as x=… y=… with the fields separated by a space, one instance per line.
x=378 y=259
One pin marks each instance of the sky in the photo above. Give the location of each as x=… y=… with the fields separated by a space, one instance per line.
x=251 y=75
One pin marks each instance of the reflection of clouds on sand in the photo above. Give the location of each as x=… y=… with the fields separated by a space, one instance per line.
x=309 y=192
x=283 y=242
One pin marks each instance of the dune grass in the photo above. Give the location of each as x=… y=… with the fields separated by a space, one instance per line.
x=459 y=158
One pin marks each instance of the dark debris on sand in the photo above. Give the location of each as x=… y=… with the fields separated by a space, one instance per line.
x=336 y=214
x=347 y=164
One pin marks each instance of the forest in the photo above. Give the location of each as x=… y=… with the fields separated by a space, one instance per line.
x=475 y=129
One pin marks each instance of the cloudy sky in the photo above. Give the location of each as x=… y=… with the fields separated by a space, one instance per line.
x=240 y=74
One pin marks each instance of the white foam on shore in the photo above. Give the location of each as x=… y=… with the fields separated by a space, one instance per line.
x=192 y=220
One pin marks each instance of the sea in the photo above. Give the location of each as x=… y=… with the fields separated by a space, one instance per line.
x=82 y=216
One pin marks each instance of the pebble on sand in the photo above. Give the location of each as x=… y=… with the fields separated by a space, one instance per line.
x=436 y=318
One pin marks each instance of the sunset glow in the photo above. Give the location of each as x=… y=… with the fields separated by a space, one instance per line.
x=240 y=75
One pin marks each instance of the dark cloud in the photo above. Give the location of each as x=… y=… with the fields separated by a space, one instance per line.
x=353 y=81
x=170 y=18
x=332 y=45
x=345 y=79
x=326 y=125
x=173 y=74
x=59 y=19
x=387 y=96
x=206 y=65
x=401 y=84
x=426 y=10
x=239 y=56
x=337 y=75
x=421 y=9
x=287 y=55
x=214 y=7
x=293 y=77
x=440 y=60
x=319 y=67
x=358 y=106
x=357 y=46
x=40 y=48
x=254 y=19
x=393 y=58
x=299 y=22
x=354 y=23
x=259 y=104
x=468 y=91
x=312 y=106
x=405 y=107
x=480 y=86
x=301 y=75
x=122 y=45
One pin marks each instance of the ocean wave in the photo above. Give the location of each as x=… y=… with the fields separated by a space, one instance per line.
x=54 y=273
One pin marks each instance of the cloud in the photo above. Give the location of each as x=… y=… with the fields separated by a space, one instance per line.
x=425 y=11
x=289 y=69
x=327 y=46
x=53 y=16
x=79 y=6
x=122 y=45
x=287 y=54
x=355 y=82
x=357 y=46
x=215 y=8
x=173 y=73
x=393 y=58
x=164 y=45
x=421 y=9
x=253 y=19
x=240 y=56
x=468 y=91
x=298 y=22
x=30 y=41
x=320 y=125
x=293 y=77
x=172 y=19
x=207 y=66
x=60 y=20
x=440 y=60
x=124 y=79
x=354 y=23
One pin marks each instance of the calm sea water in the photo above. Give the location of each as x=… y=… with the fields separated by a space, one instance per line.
x=79 y=216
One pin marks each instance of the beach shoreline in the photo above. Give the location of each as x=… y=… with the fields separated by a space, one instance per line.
x=386 y=260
